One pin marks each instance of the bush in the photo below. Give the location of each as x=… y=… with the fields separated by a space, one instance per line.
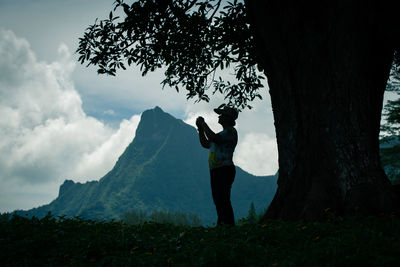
x=371 y=241
x=138 y=217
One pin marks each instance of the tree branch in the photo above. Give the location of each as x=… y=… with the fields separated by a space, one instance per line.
x=216 y=9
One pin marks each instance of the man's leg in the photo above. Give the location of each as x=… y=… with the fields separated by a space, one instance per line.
x=221 y=183
x=216 y=192
x=227 y=210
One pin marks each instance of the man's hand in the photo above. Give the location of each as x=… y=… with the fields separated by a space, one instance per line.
x=200 y=122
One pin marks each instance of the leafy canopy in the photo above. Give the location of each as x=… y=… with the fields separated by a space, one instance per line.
x=193 y=41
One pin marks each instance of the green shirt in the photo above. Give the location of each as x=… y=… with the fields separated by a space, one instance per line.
x=221 y=154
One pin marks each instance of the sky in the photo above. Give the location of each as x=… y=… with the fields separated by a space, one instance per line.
x=60 y=120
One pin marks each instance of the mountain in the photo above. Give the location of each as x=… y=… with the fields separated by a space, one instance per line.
x=163 y=168
x=390 y=157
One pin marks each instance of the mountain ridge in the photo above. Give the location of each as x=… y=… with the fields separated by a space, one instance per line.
x=163 y=168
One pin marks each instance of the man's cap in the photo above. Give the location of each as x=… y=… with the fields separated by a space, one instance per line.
x=227 y=111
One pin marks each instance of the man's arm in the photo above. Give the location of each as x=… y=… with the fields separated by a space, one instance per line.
x=211 y=136
x=203 y=139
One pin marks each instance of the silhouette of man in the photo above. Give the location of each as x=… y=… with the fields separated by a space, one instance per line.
x=222 y=170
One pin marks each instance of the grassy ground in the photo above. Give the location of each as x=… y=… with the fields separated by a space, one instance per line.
x=373 y=241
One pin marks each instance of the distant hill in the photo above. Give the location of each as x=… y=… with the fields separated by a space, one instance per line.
x=164 y=168
x=390 y=157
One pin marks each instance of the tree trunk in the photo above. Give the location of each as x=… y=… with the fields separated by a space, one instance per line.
x=327 y=64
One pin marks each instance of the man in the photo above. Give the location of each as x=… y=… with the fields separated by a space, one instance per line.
x=222 y=170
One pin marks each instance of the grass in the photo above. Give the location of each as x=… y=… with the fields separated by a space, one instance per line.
x=372 y=241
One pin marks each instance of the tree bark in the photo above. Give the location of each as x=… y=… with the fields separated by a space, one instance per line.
x=327 y=63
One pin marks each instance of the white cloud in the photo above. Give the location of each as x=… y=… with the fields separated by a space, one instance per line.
x=257 y=154
x=97 y=162
x=128 y=90
x=109 y=112
x=45 y=136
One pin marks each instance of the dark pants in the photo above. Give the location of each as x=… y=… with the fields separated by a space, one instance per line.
x=221 y=183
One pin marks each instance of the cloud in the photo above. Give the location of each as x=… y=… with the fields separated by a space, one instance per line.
x=97 y=162
x=45 y=136
x=109 y=112
x=257 y=153
x=128 y=91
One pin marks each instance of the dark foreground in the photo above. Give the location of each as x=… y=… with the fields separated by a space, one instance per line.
x=373 y=241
